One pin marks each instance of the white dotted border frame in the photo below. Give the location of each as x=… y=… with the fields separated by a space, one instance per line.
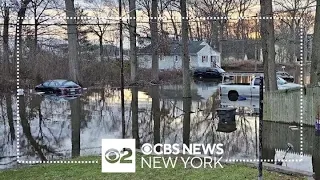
x=198 y=18
x=162 y=18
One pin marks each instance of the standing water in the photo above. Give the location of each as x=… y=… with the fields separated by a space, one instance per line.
x=65 y=127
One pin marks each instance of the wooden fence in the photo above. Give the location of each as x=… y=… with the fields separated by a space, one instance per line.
x=284 y=106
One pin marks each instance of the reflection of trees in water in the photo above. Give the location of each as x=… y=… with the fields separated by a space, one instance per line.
x=7 y=131
x=75 y=126
x=10 y=117
x=46 y=126
x=156 y=113
x=135 y=116
x=34 y=142
x=49 y=122
x=203 y=126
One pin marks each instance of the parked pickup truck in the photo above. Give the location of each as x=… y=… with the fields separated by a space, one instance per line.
x=247 y=85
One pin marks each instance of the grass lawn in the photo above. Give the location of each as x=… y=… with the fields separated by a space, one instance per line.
x=93 y=171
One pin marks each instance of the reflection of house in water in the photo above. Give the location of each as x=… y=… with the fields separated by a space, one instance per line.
x=200 y=91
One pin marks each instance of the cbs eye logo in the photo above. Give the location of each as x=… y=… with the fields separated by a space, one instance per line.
x=118 y=156
x=114 y=156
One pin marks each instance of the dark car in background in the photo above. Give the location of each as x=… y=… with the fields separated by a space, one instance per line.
x=286 y=76
x=202 y=73
x=59 y=86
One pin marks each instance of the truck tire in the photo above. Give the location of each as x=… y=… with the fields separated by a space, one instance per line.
x=233 y=95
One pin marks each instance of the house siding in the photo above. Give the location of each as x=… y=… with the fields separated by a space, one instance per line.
x=175 y=62
x=208 y=52
x=166 y=62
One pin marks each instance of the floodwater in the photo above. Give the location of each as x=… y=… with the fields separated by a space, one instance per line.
x=54 y=128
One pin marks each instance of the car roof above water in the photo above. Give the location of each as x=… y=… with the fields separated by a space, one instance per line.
x=60 y=82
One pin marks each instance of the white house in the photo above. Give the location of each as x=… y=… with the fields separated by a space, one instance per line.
x=201 y=55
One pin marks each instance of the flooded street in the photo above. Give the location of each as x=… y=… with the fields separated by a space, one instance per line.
x=60 y=128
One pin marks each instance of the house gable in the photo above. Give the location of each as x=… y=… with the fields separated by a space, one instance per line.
x=174 y=48
x=207 y=50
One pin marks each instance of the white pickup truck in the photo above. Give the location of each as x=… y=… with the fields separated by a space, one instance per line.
x=249 y=85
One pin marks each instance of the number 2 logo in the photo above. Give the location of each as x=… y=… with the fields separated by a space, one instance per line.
x=113 y=156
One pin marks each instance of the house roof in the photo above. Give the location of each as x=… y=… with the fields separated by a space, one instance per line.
x=173 y=48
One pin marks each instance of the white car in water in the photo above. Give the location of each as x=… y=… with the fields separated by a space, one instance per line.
x=234 y=89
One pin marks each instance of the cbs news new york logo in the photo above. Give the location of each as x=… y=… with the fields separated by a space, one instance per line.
x=118 y=155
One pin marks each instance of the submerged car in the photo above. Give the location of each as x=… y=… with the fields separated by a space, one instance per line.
x=202 y=73
x=59 y=86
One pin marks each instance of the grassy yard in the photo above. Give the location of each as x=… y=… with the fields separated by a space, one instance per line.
x=93 y=171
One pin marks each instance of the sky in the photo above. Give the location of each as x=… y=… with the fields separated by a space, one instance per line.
x=107 y=10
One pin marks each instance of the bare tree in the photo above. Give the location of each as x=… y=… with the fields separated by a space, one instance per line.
x=38 y=7
x=214 y=30
x=21 y=16
x=101 y=25
x=186 y=74
x=72 y=41
x=174 y=25
x=315 y=64
x=297 y=10
x=242 y=7
x=145 y=4
x=154 y=40
x=99 y=29
x=268 y=41
x=134 y=69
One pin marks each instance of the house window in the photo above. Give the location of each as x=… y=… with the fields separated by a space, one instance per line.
x=204 y=58
x=214 y=60
x=176 y=58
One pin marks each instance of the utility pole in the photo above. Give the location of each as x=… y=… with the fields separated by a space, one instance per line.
x=122 y=78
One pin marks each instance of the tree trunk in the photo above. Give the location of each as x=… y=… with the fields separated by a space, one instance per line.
x=35 y=42
x=198 y=31
x=133 y=41
x=238 y=28
x=18 y=35
x=154 y=40
x=315 y=55
x=35 y=51
x=174 y=26
x=291 y=43
x=267 y=39
x=190 y=31
x=72 y=42
x=101 y=48
x=6 y=41
x=186 y=74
